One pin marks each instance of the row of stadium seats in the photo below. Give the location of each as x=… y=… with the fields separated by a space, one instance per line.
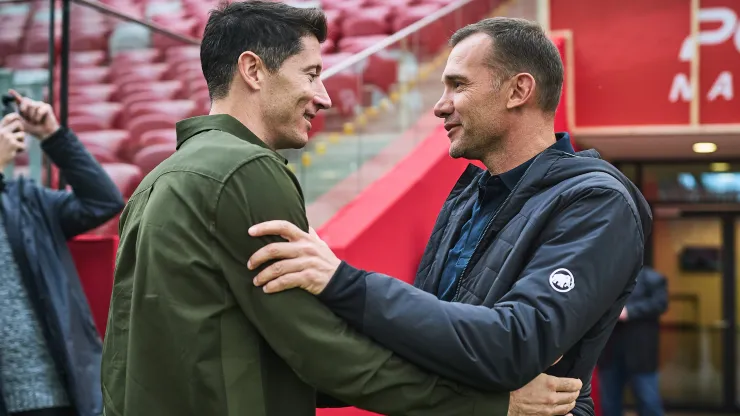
x=128 y=87
x=26 y=25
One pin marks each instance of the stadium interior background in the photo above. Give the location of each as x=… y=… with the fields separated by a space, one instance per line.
x=638 y=88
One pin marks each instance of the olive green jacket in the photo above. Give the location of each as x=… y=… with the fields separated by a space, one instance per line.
x=190 y=335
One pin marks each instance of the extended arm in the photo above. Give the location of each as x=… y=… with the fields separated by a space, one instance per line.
x=94 y=198
x=597 y=238
x=319 y=346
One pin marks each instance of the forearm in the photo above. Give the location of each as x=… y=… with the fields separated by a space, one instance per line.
x=472 y=344
x=79 y=168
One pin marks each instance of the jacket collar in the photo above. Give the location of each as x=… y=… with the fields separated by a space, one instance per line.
x=512 y=177
x=223 y=122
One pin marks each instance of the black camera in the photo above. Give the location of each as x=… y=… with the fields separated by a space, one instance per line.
x=9 y=104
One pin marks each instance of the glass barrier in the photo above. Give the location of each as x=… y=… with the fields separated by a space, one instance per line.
x=134 y=71
x=383 y=89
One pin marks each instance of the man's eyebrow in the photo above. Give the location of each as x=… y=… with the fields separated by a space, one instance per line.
x=316 y=67
x=454 y=77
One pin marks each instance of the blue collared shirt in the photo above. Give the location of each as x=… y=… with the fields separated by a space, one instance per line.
x=492 y=191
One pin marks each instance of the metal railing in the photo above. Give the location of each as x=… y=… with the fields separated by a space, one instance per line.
x=347 y=130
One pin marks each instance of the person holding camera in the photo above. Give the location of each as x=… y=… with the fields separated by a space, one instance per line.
x=49 y=348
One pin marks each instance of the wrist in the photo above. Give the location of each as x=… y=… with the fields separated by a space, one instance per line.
x=48 y=133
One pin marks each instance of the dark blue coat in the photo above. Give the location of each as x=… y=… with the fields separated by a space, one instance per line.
x=39 y=222
x=549 y=278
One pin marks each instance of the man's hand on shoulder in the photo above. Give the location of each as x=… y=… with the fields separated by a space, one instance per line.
x=545 y=396
x=304 y=261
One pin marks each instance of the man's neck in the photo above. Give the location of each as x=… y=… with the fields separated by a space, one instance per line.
x=518 y=147
x=246 y=115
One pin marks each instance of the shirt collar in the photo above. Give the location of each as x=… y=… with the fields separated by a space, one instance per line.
x=223 y=122
x=512 y=177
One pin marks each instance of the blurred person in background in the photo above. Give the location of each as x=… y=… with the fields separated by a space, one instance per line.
x=188 y=332
x=631 y=355
x=531 y=259
x=49 y=347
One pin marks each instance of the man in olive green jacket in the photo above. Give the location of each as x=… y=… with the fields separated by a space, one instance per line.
x=188 y=332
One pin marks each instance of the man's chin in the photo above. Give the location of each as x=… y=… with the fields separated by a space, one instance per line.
x=296 y=142
x=456 y=153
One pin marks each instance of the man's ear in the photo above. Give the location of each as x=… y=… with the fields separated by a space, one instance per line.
x=521 y=90
x=251 y=70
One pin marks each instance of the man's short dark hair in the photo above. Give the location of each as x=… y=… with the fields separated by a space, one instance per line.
x=273 y=31
x=521 y=46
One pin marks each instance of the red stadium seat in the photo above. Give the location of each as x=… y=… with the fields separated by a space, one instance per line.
x=109 y=113
x=156 y=137
x=125 y=176
x=158 y=90
x=140 y=125
x=9 y=43
x=180 y=109
x=102 y=154
x=113 y=140
x=136 y=56
x=178 y=54
x=367 y=21
x=186 y=27
x=27 y=61
x=89 y=39
x=87 y=94
x=328 y=46
x=84 y=123
x=84 y=59
x=89 y=75
x=149 y=157
x=334 y=24
x=356 y=44
x=139 y=72
x=345 y=6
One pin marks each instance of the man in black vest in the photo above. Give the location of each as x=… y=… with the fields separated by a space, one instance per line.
x=631 y=355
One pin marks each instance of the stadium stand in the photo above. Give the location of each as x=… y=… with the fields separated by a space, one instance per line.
x=129 y=85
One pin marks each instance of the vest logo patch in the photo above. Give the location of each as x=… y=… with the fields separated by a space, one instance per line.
x=562 y=280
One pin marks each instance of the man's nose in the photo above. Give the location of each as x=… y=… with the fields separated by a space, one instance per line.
x=444 y=107
x=322 y=99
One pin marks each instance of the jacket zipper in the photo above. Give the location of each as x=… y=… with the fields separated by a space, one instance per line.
x=485 y=230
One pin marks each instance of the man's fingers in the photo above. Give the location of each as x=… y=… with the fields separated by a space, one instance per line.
x=35 y=112
x=568 y=384
x=558 y=360
x=313 y=232
x=23 y=107
x=563 y=408
x=284 y=229
x=9 y=119
x=285 y=282
x=566 y=398
x=278 y=269
x=14 y=126
x=273 y=251
x=16 y=95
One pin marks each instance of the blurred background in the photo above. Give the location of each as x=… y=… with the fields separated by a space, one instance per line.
x=649 y=84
